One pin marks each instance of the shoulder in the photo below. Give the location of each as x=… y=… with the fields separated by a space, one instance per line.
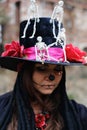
x=81 y=111
x=6 y=95
x=5 y=98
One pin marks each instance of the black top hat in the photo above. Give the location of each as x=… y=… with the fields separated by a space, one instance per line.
x=41 y=40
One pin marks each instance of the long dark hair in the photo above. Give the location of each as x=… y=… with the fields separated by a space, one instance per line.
x=53 y=101
x=63 y=114
x=62 y=110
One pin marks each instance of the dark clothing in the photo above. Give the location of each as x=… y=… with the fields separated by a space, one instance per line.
x=74 y=115
x=79 y=110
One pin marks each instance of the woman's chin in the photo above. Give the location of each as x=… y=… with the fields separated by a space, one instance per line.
x=47 y=92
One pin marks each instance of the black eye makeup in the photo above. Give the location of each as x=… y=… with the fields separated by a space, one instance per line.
x=58 y=69
x=41 y=68
x=44 y=69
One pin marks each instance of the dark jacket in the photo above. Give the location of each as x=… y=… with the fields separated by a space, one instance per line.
x=80 y=110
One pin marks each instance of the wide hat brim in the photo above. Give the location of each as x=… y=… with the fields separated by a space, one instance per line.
x=15 y=63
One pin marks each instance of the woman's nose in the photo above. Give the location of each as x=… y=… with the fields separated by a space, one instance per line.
x=50 y=77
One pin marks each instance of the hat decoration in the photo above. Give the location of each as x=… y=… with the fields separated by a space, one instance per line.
x=73 y=53
x=41 y=49
x=32 y=13
x=42 y=40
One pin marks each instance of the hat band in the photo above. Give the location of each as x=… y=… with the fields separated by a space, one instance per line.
x=54 y=54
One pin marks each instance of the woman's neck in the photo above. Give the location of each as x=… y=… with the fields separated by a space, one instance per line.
x=36 y=108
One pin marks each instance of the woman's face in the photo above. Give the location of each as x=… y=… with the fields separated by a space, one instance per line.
x=46 y=77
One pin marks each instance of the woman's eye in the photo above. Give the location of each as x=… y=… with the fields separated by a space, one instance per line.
x=58 y=69
x=41 y=69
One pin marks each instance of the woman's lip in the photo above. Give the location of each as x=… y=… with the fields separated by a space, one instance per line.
x=48 y=86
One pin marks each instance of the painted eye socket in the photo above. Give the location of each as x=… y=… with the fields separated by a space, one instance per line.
x=44 y=69
x=41 y=69
x=58 y=69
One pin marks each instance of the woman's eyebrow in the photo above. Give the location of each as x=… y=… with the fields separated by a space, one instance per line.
x=41 y=65
x=59 y=66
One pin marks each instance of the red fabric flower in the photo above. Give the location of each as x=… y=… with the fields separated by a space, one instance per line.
x=47 y=116
x=40 y=120
x=14 y=49
x=75 y=54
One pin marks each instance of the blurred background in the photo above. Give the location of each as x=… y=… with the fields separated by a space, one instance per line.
x=12 y=12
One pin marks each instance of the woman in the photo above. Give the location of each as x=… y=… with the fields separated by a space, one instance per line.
x=40 y=83
x=39 y=100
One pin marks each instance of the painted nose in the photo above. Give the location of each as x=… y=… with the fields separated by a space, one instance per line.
x=51 y=77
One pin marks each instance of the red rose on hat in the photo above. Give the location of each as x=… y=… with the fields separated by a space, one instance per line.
x=14 y=49
x=75 y=54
